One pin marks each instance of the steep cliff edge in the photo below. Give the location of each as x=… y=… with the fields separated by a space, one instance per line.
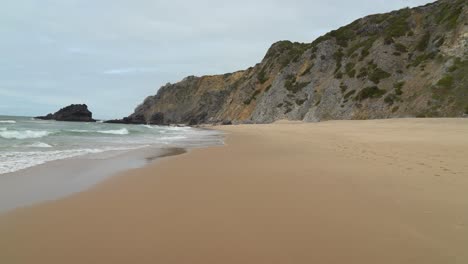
x=411 y=62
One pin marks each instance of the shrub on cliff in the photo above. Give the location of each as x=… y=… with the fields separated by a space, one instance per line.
x=262 y=76
x=369 y=92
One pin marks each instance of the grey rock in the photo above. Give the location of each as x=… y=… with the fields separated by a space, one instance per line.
x=321 y=80
x=72 y=113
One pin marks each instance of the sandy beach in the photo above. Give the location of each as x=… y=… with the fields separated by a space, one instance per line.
x=381 y=191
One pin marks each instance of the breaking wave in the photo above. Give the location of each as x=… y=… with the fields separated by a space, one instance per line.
x=7 y=122
x=40 y=145
x=122 y=131
x=13 y=161
x=15 y=134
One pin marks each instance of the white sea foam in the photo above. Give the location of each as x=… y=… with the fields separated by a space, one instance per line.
x=14 y=161
x=178 y=129
x=27 y=144
x=80 y=131
x=172 y=138
x=122 y=131
x=40 y=145
x=25 y=134
x=7 y=122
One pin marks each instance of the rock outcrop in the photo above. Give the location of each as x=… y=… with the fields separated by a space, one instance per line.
x=72 y=113
x=411 y=62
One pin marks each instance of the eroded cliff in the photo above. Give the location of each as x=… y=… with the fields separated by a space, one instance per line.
x=411 y=62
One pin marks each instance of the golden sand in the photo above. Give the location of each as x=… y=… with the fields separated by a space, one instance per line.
x=384 y=191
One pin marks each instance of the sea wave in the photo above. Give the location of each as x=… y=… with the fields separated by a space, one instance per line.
x=40 y=145
x=14 y=161
x=178 y=128
x=7 y=122
x=122 y=131
x=25 y=134
x=80 y=131
x=172 y=138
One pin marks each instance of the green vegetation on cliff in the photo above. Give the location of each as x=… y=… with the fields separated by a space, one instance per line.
x=369 y=92
x=410 y=62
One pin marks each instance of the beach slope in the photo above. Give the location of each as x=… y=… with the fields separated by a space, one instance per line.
x=381 y=191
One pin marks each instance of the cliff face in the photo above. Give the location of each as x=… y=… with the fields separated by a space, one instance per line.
x=411 y=62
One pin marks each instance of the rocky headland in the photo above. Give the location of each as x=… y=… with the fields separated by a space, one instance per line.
x=72 y=113
x=406 y=63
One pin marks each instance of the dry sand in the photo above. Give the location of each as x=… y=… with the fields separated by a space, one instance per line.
x=385 y=191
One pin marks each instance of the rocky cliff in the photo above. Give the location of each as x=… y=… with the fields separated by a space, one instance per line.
x=73 y=113
x=411 y=62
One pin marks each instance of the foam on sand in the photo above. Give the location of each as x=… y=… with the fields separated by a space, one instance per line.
x=14 y=161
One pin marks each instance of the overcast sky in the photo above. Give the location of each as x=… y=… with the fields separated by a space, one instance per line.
x=111 y=54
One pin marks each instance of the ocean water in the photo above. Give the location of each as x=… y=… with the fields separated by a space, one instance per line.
x=26 y=142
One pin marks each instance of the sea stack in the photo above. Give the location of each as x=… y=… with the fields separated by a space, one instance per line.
x=72 y=113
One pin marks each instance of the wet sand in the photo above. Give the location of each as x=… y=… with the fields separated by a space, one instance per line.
x=61 y=178
x=383 y=191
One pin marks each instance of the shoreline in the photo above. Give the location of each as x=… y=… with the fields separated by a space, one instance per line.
x=47 y=182
x=375 y=191
x=69 y=157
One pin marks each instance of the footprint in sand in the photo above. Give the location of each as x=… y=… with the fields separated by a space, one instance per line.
x=449 y=171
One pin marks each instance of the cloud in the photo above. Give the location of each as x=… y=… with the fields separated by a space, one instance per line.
x=76 y=50
x=135 y=70
x=46 y=40
x=71 y=48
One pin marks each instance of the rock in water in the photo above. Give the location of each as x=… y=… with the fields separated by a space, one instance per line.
x=73 y=113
